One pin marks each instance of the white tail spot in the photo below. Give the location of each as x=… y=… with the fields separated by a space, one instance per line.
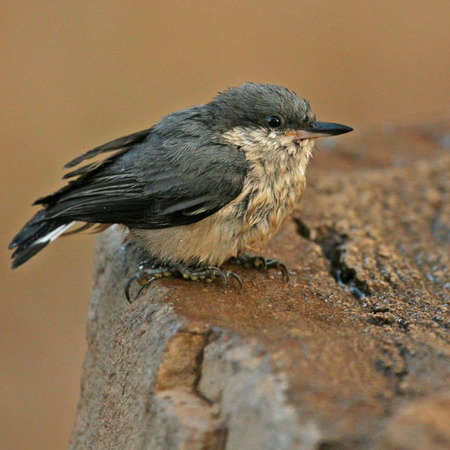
x=50 y=237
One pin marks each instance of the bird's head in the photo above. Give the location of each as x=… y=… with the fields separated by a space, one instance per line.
x=254 y=112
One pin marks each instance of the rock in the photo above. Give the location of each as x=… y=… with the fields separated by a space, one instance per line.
x=423 y=424
x=353 y=352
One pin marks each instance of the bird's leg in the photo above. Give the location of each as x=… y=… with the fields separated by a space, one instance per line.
x=260 y=263
x=151 y=270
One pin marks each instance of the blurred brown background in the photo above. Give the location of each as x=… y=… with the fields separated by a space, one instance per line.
x=76 y=74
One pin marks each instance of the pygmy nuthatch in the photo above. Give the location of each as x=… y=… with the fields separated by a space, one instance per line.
x=202 y=186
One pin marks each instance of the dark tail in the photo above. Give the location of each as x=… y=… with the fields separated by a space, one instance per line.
x=34 y=236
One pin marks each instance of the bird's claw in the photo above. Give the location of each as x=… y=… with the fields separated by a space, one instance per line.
x=149 y=271
x=261 y=263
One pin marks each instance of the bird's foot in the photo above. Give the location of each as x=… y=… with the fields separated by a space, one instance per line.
x=152 y=270
x=260 y=263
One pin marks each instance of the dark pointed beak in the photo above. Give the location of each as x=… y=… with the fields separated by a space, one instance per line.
x=321 y=129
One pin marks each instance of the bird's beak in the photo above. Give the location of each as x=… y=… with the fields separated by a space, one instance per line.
x=318 y=130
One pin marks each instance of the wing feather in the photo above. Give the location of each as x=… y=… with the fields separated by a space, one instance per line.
x=124 y=142
x=156 y=180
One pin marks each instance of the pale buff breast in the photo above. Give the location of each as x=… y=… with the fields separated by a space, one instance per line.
x=277 y=181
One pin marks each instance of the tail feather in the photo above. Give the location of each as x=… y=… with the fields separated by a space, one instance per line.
x=30 y=229
x=35 y=236
x=21 y=256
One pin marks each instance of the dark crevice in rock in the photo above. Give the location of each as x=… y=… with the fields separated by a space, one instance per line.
x=333 y=245
x=439 y=228
x=199 y=366
x=348 y=444
x=178 y=397
x=393 y=363
x=303 y=229
x=219 y=440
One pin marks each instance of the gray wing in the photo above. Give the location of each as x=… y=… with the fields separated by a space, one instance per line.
x=169 y=176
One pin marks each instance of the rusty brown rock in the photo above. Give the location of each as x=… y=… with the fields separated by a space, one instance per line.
x=354 y=352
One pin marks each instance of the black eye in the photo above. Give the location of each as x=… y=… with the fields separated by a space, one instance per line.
x=274 y=121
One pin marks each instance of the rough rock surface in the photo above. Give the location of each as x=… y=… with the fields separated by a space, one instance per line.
x=353 y=352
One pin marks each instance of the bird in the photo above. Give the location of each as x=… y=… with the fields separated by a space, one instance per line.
x=204 y=186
